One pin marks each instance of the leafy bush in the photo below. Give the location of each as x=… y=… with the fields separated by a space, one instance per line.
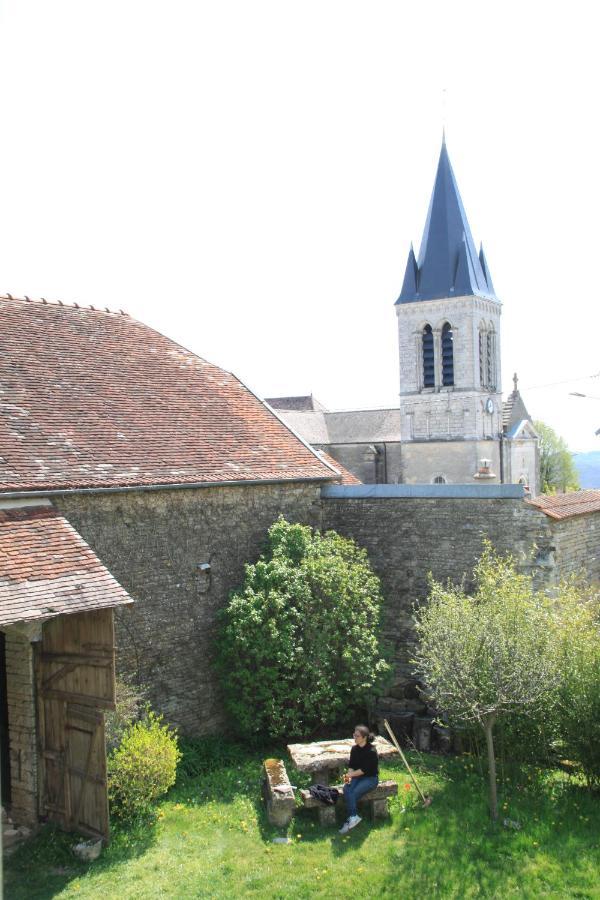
x=298 y=640
x=142 y=767
x=129 y=701
x=579 y=690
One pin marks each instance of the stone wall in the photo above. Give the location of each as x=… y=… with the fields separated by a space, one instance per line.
x=377 y=463
x=458 y=411
x=21 y=727
x=456 y=461
x=153 y=543
x=577 y=543
x=408 y=536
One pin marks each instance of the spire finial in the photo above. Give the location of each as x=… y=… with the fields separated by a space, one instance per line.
x=515 y=382
x=444 y=117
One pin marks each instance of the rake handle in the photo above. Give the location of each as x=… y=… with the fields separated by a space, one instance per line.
x=404 y=760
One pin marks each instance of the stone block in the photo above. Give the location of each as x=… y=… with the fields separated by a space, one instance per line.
x=278 y=793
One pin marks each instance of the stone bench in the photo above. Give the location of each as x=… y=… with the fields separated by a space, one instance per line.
x=377 y=799
x=278 y=793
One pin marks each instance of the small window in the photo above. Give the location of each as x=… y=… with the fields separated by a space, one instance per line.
x=439 y=479
x=447 y=355
x=428 y=363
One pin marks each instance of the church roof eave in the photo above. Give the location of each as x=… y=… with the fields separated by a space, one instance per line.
x=417 y=298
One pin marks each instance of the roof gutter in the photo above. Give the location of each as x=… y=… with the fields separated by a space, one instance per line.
x=120 y=489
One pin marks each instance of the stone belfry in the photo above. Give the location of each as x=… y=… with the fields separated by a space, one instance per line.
x=449 y=341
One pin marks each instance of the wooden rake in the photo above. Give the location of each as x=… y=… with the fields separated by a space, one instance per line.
x=426 y=800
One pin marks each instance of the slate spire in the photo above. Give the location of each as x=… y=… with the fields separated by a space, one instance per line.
x=448 y=263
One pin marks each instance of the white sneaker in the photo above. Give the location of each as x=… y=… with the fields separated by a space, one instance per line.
x=345 y=827
x=353 y=821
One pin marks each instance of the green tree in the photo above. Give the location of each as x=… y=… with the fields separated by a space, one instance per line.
x=557 y=469
x=485 y=655
x=299 y=640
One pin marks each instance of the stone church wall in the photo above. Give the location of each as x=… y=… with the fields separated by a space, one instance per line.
x=376 y=463
x=456 y=461
x=153 y=543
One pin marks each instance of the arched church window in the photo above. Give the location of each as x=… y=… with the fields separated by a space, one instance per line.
x=439 y=479
x=491 y=359
x=428 y=364
x=447 y=355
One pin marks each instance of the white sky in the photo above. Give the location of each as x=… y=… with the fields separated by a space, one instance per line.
x=247 y=176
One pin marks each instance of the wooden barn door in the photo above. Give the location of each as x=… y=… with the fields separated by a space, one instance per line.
x=75 y=682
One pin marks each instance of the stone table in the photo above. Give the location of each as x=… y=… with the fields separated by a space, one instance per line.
x=324 y=759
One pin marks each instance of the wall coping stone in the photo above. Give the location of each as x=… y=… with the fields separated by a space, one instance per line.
x=424 y=491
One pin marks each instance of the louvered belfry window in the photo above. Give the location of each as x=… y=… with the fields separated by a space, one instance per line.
x=490 y=360
x=428 y=362
x=482 y=352
x=447 y=355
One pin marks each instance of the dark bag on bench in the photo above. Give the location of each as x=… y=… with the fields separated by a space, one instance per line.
x=324 y=793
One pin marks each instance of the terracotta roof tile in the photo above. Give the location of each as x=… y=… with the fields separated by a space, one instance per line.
x=563 y=506
x=90 y=398
x=47 y=569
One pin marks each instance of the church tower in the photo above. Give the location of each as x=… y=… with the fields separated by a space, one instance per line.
x=449 y=340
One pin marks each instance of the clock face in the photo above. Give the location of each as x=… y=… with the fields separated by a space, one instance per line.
x=489 y=406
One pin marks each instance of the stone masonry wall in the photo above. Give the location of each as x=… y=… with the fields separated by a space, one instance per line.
x=408 y=537
x=456 y=461
x=443 y=412
x=21 y=728
x=577 y=542
x=153 y=543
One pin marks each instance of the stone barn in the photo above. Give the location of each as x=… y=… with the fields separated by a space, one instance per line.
x=167 y=466
x=57 y=673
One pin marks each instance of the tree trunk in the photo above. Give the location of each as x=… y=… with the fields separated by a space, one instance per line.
x=488 y=726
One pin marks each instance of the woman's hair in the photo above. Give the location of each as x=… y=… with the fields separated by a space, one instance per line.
x=363 y=729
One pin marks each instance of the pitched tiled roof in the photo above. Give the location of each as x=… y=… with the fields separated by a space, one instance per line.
x=47 y=569
x=348 y=426
x=563 y=506
x=346 y=476
x=90 y=398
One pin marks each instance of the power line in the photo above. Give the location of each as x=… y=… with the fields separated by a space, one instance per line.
x=566 y=381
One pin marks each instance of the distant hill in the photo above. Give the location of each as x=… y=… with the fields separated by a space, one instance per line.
x=588 y=468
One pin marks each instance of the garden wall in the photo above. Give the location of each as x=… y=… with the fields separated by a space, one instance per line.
x=410 y=531
x=154 y=542
x=577 y=542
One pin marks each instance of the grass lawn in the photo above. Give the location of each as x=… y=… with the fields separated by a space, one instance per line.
x=212 y=839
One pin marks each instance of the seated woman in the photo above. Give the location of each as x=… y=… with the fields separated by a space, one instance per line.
x=362 y=776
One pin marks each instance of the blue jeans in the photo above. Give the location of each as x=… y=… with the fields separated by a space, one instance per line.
x=355 y=789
